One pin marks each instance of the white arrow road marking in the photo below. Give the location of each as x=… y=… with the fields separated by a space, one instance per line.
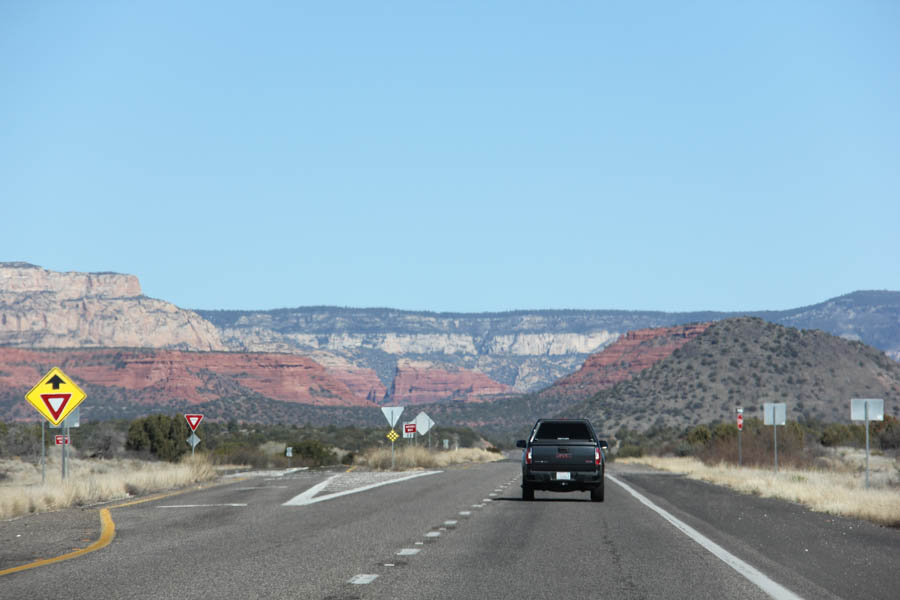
x=753 y=575
x=309 y=496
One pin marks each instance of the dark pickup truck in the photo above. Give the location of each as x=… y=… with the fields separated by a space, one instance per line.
x=563 y=455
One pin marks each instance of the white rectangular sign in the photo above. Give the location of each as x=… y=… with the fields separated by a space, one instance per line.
x=392 y=413
x=775 y=413
x=858 y=409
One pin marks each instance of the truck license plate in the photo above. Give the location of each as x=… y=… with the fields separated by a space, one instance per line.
x=560 y=475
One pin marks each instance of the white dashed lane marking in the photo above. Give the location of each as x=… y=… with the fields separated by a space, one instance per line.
x=433 y=534
x=363 y=579
x=409 y=552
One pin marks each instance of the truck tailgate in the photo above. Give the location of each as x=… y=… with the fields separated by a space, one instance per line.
x=562 y=456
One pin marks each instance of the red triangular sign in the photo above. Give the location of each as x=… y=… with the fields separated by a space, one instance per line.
x=56 y=403
x=193 y=421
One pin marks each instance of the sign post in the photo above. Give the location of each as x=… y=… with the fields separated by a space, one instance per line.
x=193 y=422
x=775 y=414
x=867 y=409
x=55 y=396
x=423 y=425
x=740 y=426
x=392 y=413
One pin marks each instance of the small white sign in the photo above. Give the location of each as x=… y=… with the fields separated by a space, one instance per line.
x=392 y=413
x=289 y=451
x=775 y=413
x=858 y=409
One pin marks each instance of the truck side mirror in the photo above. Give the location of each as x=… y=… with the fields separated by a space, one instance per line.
x=520 y=443
x=603 y=445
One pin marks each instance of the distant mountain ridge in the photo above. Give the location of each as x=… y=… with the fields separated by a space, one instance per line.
x=527 y=350
x=380 y=355
x=746 y=362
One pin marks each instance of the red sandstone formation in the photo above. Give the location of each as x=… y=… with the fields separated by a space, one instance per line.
x=628 y=356
x=191 y=377
x=422 y=383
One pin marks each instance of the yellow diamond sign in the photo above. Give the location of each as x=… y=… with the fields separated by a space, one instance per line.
x=392 y=436
x=55 y=396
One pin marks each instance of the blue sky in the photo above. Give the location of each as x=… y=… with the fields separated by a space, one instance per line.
x=456 y=156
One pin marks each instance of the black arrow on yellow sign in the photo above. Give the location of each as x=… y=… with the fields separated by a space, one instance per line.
x=56 y=381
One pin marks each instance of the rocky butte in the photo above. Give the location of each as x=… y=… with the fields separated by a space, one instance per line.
x=422 y=382
x=47 y=309
x=629 y=355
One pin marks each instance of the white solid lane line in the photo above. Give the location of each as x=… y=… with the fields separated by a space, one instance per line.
x=307 y=497
x=196 y=505
x=756 y=577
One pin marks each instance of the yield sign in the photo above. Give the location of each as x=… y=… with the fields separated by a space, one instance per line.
x=193 y=421
x=55 y=396
x=392 y=413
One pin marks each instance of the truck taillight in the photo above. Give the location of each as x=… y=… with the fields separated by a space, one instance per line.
x=596 y=457
x=528 y=456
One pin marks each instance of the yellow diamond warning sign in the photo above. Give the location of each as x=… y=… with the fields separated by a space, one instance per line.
x=55 y=396
x=392 y=436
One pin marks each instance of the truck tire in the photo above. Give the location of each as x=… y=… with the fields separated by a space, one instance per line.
x=597 y=493
x=527 y=492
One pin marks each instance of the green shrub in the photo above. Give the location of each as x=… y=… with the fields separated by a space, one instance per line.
x=162 y=436
x=630 y=451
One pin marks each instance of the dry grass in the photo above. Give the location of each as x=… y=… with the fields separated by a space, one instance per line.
x=92 y=481
x=423 y=458
x=838 y=489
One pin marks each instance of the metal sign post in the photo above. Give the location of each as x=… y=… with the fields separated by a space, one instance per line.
x=740 y=426
x=867 y=409
x=775 y=414
x=392 y=413
x=423 y=425
x=43 y=455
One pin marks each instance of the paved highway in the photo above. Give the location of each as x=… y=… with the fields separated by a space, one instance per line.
x=465 y=533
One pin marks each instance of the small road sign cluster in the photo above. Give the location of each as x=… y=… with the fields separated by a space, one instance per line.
x=193 y=421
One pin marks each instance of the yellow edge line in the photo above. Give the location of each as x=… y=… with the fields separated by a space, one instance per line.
x=107 y=532
x=350 y=469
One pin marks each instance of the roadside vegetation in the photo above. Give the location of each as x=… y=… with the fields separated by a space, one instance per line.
x=92 y=481
x=112 y=460
x=821 y=466
x=417 y=457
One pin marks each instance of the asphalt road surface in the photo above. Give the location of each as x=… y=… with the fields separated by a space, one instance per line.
x=462 y=533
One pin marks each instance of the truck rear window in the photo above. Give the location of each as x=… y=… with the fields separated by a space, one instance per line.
x=563 y=431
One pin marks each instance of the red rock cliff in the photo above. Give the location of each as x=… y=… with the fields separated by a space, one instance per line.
x=421 y=383
x=167 y=376
x=629 y=355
